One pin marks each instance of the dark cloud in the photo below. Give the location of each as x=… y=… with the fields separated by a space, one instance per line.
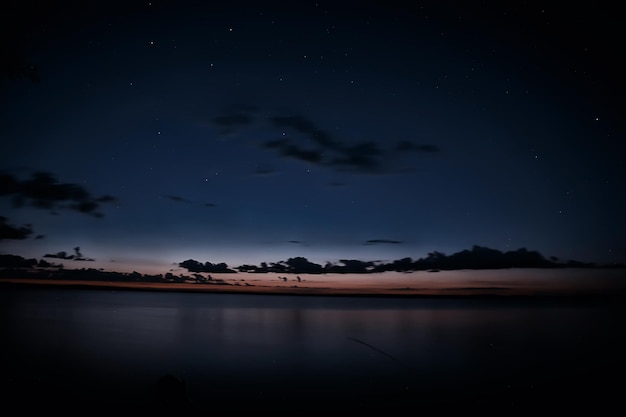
x=478 y=257
x=360 y=157
x=304 y=126
x=234 y=117
x=87 y=207
x=194 y=266
x=353 y=266
x=8 y=231
x=303 y=140
x=15 y=261
x=363 y=156
x=290 y=149
x=106 y=199
x=301 y=265
x=381 y=241
x=43 y=191
x=298 y=242
x=77 y=256
x=59 y=255
x=177 y=199
x=307 y=155
x=8 y=184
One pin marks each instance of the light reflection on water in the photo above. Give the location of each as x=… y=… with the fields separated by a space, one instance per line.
x=233 y=342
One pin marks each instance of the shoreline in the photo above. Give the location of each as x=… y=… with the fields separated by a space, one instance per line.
x=603 y=297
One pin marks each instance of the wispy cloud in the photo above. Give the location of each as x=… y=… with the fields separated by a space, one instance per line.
x=298 y=242
x=179 y=199
x=77 y=256
x=43 y=191
x=381 y=241
x=9 y=231
x=234 y=117
x=299 y=138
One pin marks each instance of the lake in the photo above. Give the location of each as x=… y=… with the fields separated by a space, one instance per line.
x=242 y=353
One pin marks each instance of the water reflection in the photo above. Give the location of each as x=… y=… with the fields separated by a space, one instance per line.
x=252 y=343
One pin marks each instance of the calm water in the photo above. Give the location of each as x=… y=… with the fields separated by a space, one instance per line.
x=238 y=351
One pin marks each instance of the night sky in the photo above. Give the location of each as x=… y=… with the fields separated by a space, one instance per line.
x=143 y=134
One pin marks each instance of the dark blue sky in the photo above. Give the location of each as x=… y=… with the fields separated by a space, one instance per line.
x=243 y=132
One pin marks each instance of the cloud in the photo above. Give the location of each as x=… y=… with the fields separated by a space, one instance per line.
x=381 y=241
x=478 y=257
x=307 y=155
x=364 y=156
x=298 y=242
x=361 y=157
x=301 y=139
x=288 y=148
x=59 y=255
x=194 y=266
x=64 y=255
x=301 y=265
x=236 y=116
x=43 y=191
x=304 y=126
x=15 y=261
x=8 y=231
x=179 y=199
x=106 y=199
x=353 y=266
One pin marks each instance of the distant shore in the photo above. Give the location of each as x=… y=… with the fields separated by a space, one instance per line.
x=601 y=297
